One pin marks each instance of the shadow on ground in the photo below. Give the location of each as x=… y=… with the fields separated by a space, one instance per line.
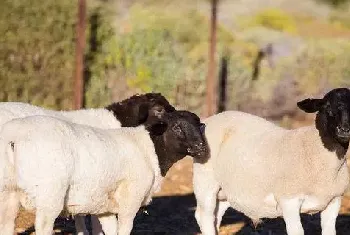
x=174 y=215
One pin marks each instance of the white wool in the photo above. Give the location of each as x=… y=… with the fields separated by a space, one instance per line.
x=259 y=165
x=101 y=118
x=83 y=167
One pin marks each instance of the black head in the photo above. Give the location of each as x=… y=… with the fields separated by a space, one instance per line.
x=333 y=113
x=176 y=135
x=137 y=109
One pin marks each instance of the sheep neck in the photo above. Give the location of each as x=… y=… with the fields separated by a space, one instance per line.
x=125 y=114
x=167 y=155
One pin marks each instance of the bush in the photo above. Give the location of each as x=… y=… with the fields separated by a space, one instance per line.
x=335 y=3
x=36 y=52
x=168 y=53
x=37 y=49
x=275 y=19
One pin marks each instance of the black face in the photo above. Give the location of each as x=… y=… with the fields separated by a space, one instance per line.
x=182 y=134
x=333 y=111
x=137 y=109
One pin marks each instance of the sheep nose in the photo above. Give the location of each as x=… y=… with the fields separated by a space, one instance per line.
x=346 y=129
x=343 y=132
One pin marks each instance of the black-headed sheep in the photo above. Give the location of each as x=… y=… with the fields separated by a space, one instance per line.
x=266 y=171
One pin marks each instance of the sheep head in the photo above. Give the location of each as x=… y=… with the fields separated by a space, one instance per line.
x=333 y=113
x=137 y=109
x=176 y=135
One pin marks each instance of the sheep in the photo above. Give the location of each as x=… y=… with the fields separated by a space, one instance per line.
x=266 y=171
x=50 y=165
x=127 y=113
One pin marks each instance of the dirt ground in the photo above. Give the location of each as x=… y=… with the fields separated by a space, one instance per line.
x=172 y=212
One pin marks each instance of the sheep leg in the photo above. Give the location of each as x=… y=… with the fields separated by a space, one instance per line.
x=329 y=217
x=80 y=226
x=109 y=224
x=221 y=208
x=81 y=229
x=126 y=218
x=291 y=216
x=49 y=202
x=131 y=196
x=9 y=204
x=206 y=190
x=96 y=225
x=44 y=222
x=205 y=212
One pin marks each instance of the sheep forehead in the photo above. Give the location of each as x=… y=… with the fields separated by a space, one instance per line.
x=184 y=116
x=338 y=97
x=188 y=126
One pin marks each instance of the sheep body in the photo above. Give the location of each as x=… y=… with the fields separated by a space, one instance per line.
x=84 y=158
x=101 y=118
x=259 y=165
x=78 y=168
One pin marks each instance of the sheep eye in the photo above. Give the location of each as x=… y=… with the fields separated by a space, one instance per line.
x=328 y=110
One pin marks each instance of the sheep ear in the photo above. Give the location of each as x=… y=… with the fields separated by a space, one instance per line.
x=142 y=113
x=157 y=128
x=310 y=105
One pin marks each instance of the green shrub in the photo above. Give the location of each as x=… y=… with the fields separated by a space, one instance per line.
x=275 y=19
x=37 y=50
x=166 y=50
x=340 y=18
x=99 y=49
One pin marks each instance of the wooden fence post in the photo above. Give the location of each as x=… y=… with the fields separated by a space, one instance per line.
x=211 y=84
x=223 y=84
x=79 y=56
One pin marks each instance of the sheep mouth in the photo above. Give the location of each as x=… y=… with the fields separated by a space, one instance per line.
x=199 y=151
x=343 y=137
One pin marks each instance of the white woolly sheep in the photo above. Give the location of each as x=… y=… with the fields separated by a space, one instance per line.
x=266 y=171
x=128 y=113
x=52 y=165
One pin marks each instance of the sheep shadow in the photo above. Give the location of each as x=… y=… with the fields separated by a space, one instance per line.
x=174 y=215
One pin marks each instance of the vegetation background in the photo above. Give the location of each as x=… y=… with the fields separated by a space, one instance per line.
x=162 y=45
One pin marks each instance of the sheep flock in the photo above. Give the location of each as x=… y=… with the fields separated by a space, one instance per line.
x=108 y=162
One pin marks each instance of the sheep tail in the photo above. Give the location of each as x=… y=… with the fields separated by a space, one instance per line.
x=8 y=145
x=10 y=152
x=7 y=167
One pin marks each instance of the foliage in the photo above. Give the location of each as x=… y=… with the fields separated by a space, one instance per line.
x=160 y=46
x=36 y=51
x=330 y=63
x=168 y=53
x=340 y=18
x=335 y=3
x=101 y=35
x=276 y=19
